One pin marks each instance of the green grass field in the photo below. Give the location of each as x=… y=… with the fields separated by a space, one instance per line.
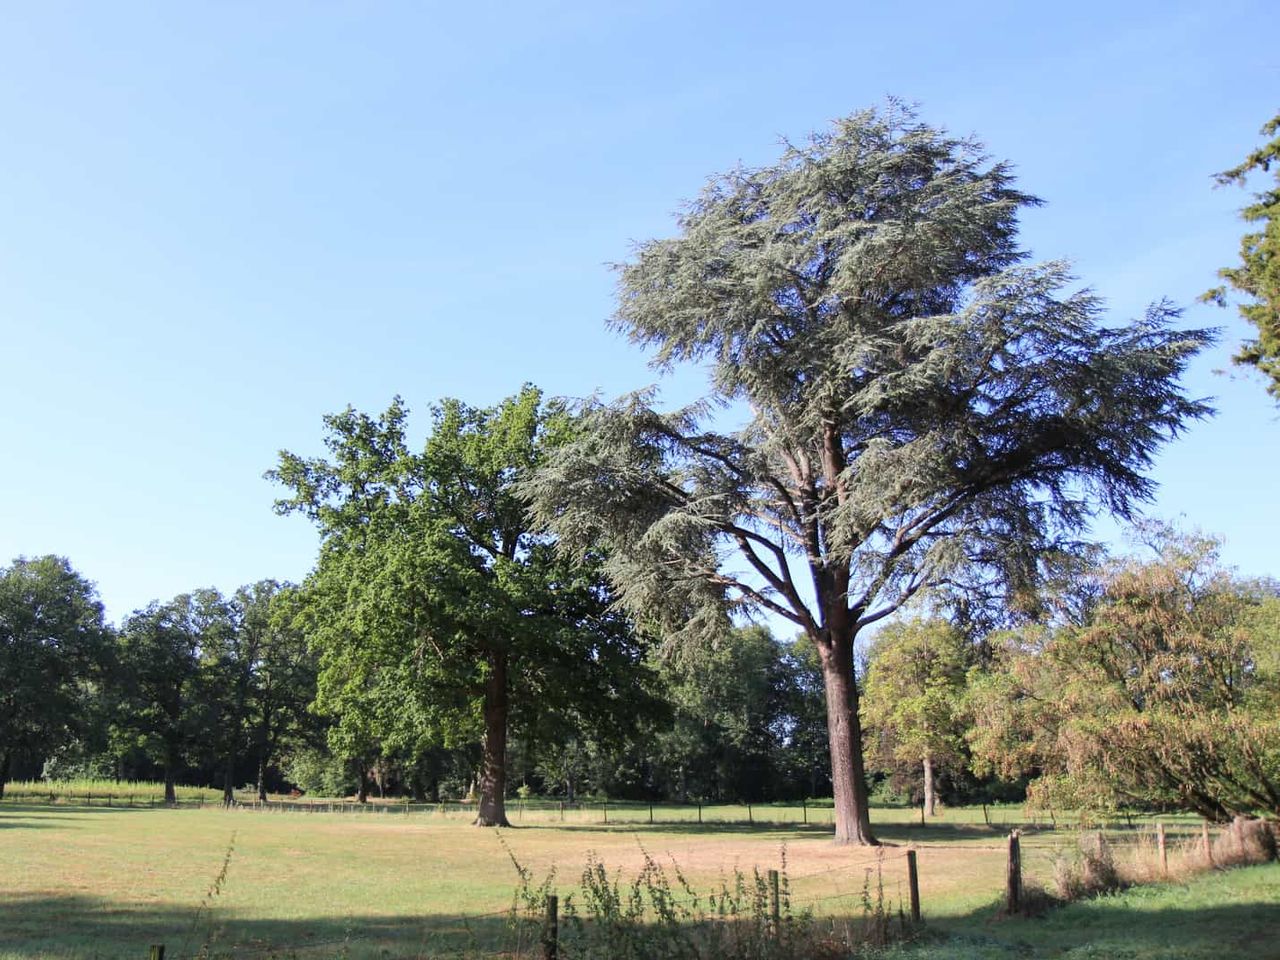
x=79 y=881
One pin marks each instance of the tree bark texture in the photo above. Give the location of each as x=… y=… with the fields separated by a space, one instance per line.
x=262 y=778
x=493 y=771
x=844 y=730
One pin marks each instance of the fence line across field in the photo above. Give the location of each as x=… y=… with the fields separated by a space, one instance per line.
x=800 y=813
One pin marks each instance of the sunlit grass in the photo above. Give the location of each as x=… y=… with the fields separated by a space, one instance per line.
x=94 y=881
x=101 y=790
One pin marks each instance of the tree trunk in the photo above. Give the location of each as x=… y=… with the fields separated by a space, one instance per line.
x=844 y=729
x=493 y=773
x=362 y=779
x=262 y=777
x=4 y=771
x=928 y=786
x=229 y=782
x=170 y=794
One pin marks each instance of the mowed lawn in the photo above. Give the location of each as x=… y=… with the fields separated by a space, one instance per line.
x=81 y=881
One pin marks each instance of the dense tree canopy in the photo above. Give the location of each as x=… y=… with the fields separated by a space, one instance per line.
x=169 y=663
x=1257 y=277
x=439 y=611
x=1168 y=696
x=53 y=646
x=925 y=409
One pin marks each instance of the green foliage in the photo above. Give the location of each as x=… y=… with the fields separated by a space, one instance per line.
x=1167 y=697
x=914 y=696
x=1257 y=277
x=169 y=674
x=53 y=648
x=318 y=773
x=732 y=718
x=926 y=410
x=438 y=615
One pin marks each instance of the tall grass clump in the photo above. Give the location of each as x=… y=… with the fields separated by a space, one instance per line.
x=1088 y=870
x=659 y=913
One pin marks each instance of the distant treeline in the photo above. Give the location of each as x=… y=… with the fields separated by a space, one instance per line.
x=1139 y=684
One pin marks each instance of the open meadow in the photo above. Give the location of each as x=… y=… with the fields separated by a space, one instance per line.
x=90 y=881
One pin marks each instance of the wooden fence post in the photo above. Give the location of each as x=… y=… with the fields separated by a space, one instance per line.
x=551 y=929
x=775 y=910
x=804 y=809
x=750 y=818
x=913 y=883
x=1013 y=876
x=157 y=951
x=699 y=811
x=1164 y=851
x=651 y=814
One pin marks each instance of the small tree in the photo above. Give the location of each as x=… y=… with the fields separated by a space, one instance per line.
x=922 y=408
x=914 y=697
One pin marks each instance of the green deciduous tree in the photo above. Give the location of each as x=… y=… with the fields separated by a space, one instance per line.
x=283 y=676
x=440 y=615
x=1257 y=277
x=923 y=409
x=53 y=645
x=169 y=701
x=729 y=720
x=914 y=695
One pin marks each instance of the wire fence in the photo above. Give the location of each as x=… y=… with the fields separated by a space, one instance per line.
x=601 y=812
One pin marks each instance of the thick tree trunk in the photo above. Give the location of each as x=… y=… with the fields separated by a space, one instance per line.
x=170 y=793
x=362 y=790
x=262 y=778
x=928 y=786
x=493 y=772
x=844 y=730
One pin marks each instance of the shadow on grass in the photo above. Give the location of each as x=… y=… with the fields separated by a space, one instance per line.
x=1147 y=923
x=65 y=810
x=1221 y=915
x=72 y=926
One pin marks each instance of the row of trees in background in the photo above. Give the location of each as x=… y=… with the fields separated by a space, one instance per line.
x=1154 y=685
x=202 y=686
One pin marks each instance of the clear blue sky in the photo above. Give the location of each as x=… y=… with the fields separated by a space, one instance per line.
x=220 y=221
